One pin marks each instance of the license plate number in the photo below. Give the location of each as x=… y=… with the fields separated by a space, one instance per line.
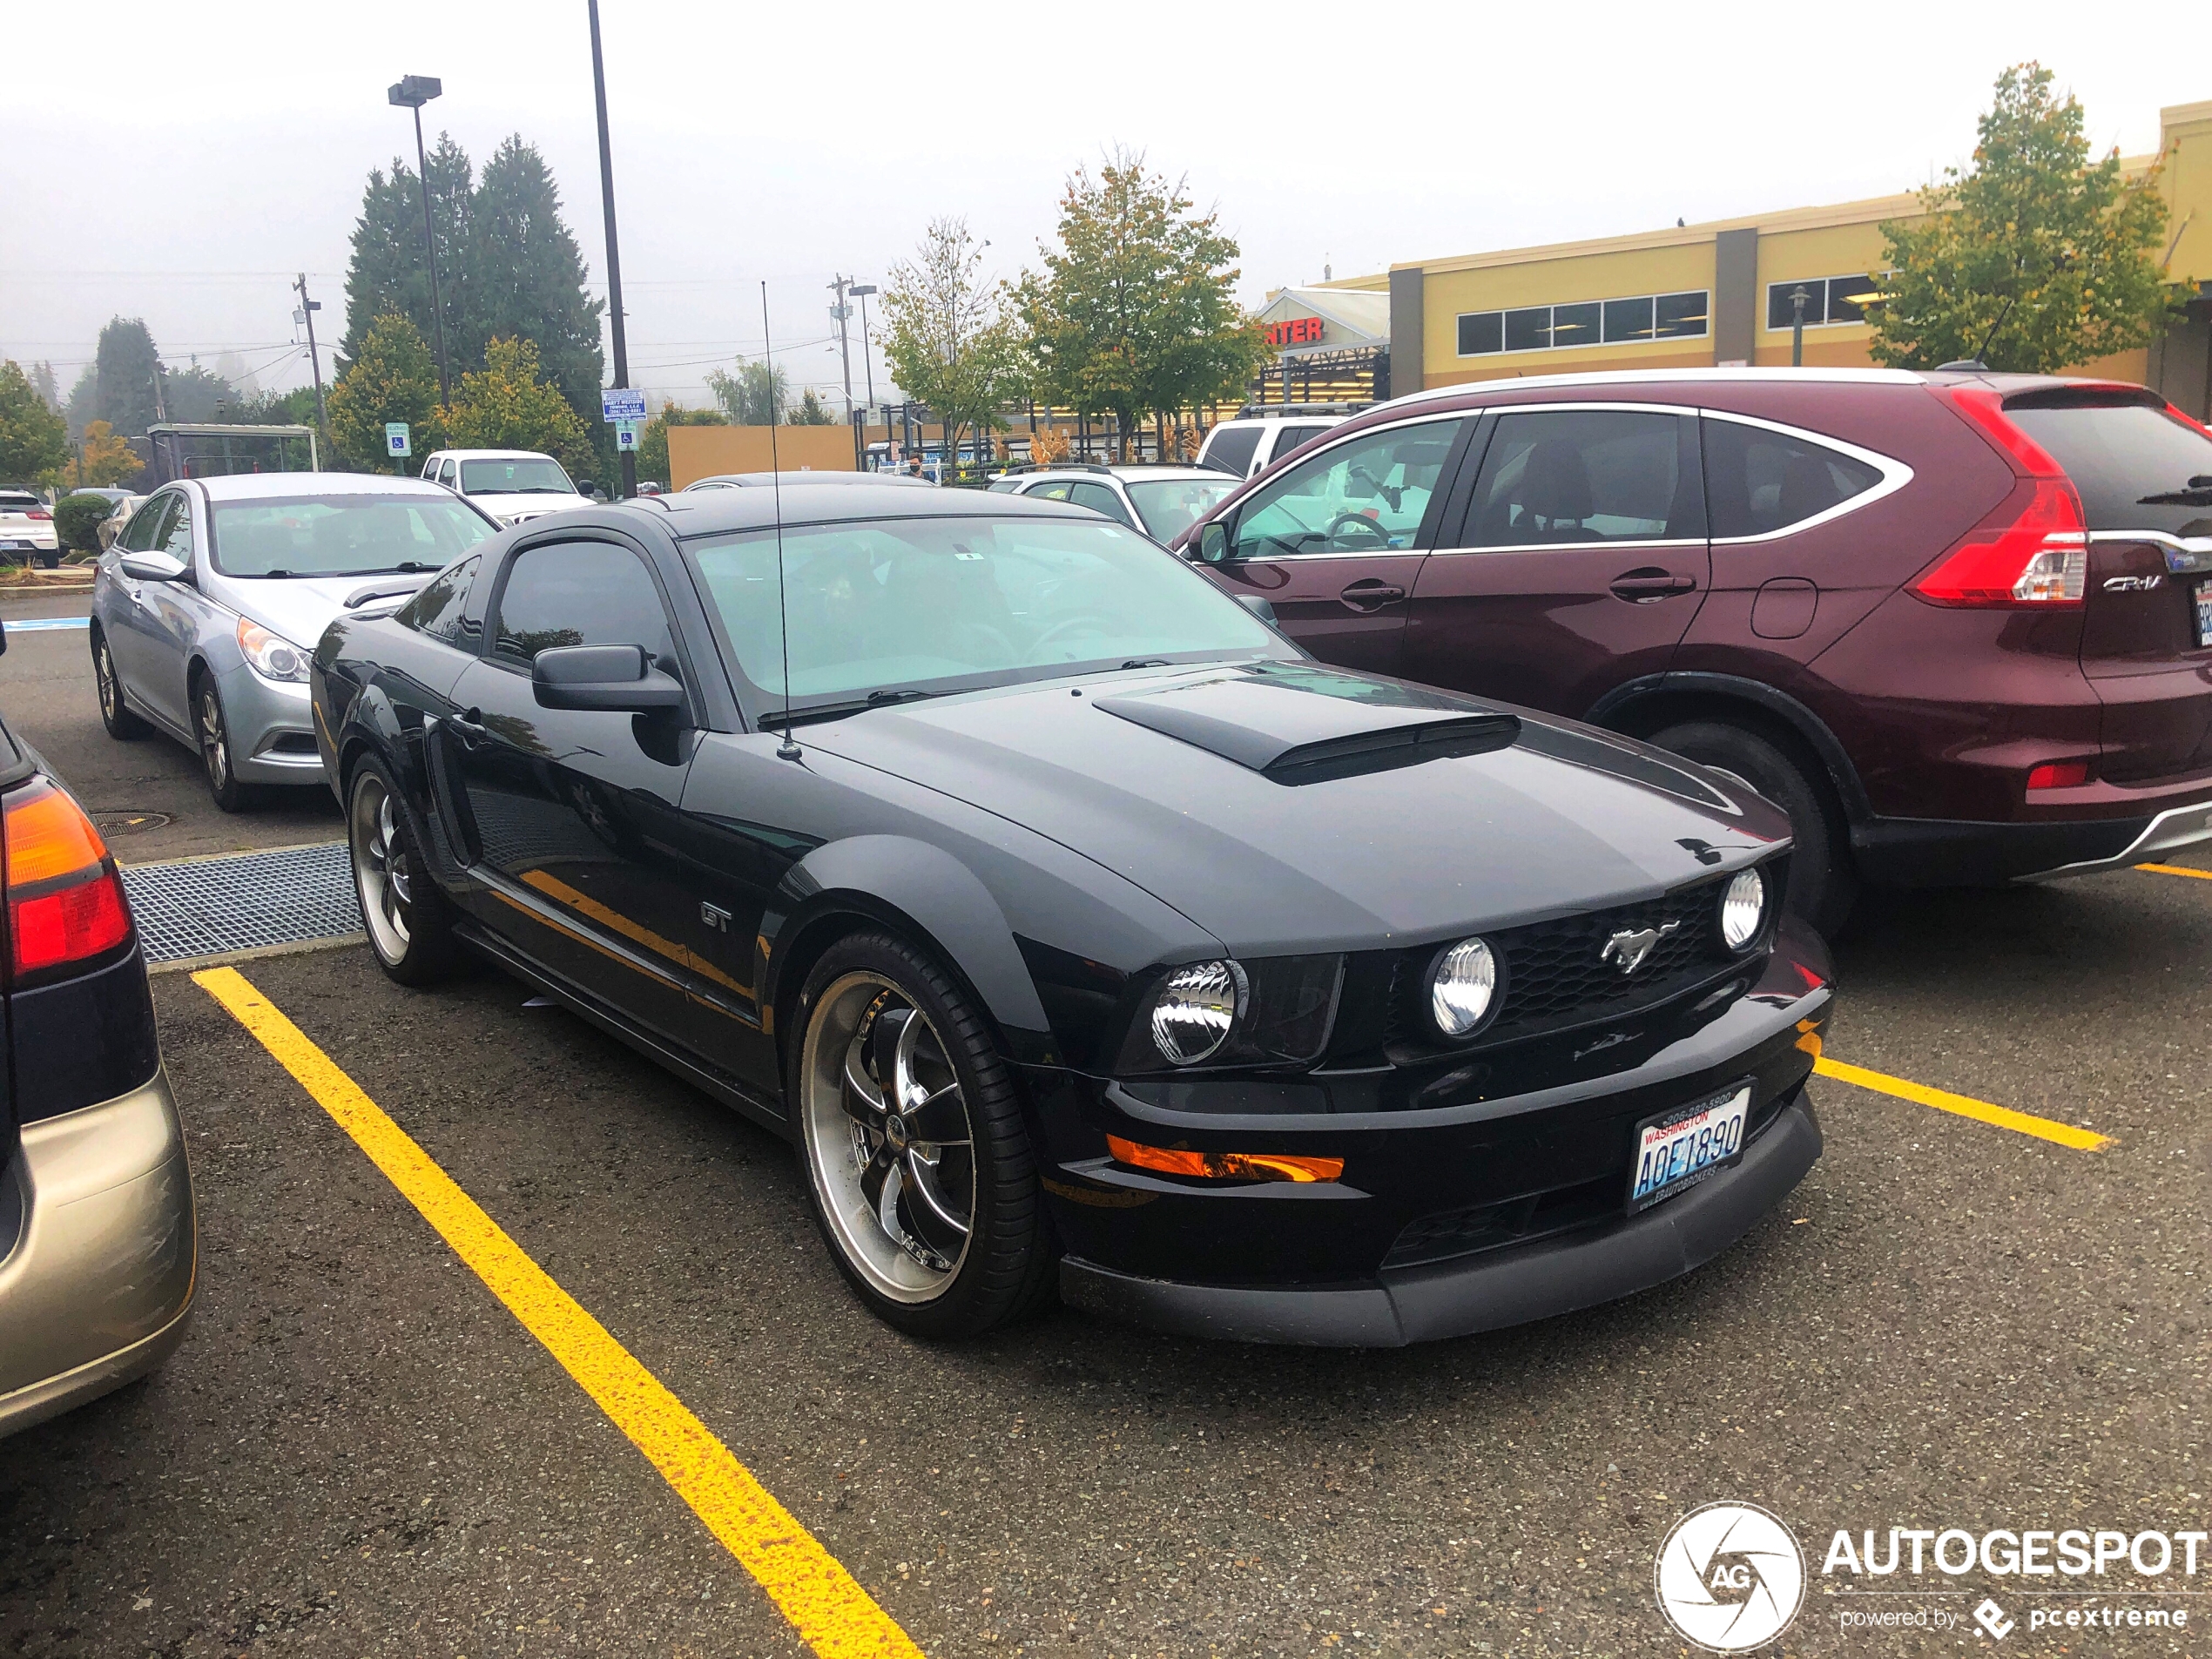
x=1674 y=1152
x=2204 y=613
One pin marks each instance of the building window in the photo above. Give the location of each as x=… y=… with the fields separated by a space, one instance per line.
x=1589 y=323
x=1828 y=299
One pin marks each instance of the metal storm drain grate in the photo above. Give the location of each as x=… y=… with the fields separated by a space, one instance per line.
x=243 y=901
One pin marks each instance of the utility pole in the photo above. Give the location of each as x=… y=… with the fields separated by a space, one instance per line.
x=839 y=313
x=412 y=92
x=307 y=309
x=614 y=252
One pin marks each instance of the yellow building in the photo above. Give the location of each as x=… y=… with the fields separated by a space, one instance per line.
x=1723 y=292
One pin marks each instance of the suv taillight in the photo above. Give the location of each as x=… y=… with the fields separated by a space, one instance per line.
x=65 y=902
x=2034 y=550
x=37 y=512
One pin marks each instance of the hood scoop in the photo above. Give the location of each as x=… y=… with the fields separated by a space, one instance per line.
x=1297 y=722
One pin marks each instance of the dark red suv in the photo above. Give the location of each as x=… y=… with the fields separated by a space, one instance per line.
x=1954 y=623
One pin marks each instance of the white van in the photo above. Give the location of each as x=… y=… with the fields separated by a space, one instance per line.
x=1249 y=444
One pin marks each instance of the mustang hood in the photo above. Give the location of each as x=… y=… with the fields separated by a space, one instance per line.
x=1285 y=805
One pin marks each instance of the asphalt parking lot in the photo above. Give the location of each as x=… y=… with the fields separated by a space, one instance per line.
x=360 y=1450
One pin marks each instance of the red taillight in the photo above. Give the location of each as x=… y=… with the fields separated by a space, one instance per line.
x=37 y=512
x=2059 y=774
x=2033 y=551
x=65 y=902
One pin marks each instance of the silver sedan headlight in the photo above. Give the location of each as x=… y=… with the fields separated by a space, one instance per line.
x=273 y=657
x=1742 y=909
x=1462 y=986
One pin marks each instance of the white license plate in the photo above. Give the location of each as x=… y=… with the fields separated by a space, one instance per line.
x=1678 y=1151
x=2204 y=613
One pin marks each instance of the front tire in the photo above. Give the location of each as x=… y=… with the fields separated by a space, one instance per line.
x=918 y=1166
x=216 y=758
x=116 y=713
x=1824 y=882
x=408 y=920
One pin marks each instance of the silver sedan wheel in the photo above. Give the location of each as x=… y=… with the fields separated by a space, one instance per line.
x=103 y=677
x=383 y=878
x=214 y=741
x=888 y=1141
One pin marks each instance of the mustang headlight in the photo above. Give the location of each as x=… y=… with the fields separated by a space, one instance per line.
x=1462 y=986
x=1742 y=909
x=1194 y=1010
x=273 y=657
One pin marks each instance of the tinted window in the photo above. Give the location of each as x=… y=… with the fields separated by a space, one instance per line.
x=1628 y=319
x=2134 y=466
x=1781 y=310
x=1482 y=332
x=1289 y=438
x=1585 y=476
x=437 y=609
x=1100 y=499
x=1578 y=325
x=1052 y=489
x=582 y=593
x=343 y=534
x=1682 y=316
x=1759 y=481
x=1529 y=329
x=1366 y=495
x=144 y=532
x=1230 y=448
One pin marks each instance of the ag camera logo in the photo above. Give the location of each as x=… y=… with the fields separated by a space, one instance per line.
x=1730 y=1577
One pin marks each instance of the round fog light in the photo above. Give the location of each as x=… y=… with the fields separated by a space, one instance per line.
x=1195 y=1008
x=1460 y=986
x=1742 y=909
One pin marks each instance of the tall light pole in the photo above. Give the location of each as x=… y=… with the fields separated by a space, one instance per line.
x=1797 y=299
x=614 y=250
x=412 y=92
x=861 y=291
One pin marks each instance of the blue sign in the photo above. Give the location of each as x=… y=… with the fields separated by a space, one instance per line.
x=618 y=404
x=395 y=438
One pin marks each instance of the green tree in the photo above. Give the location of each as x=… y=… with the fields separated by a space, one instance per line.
x=652 y=443
x=194 y=394
x=1134 y=314
x=124 y=368
x=387 y=275
x=393 y=377
x=526 y=275
x=505 y=405
x=757 y=394
x=952 y=343
x=294 y=407
x=810 y=410
x=34 y=441
x=2034 y=258
x=42 y=381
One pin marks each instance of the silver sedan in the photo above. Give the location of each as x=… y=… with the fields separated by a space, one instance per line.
x=207 y=608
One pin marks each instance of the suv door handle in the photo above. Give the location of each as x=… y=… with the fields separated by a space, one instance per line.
x=1372 y=593
x=1649 y=583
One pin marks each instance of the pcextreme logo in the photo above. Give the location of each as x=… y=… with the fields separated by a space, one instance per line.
x=1730 y=1577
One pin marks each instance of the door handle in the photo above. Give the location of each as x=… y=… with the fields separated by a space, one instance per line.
x=468 y=728
x=1650 y=584
x=1372 y=593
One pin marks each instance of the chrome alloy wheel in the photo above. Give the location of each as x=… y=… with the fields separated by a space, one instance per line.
x=383 y=877
x=888 y=1139
x=214 y=742
x=103 y=677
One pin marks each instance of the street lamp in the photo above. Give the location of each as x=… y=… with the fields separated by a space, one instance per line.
x=1798 y=298
x=861 y=291
x=412 y=92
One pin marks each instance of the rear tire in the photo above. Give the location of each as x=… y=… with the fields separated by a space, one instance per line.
x=940 y=1236
x=1824 y=882
x=116 y=713
x=408 y=922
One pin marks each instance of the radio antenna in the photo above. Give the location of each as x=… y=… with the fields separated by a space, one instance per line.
x=788 y=750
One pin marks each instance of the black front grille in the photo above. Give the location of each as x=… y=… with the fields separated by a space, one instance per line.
x=1558 y=974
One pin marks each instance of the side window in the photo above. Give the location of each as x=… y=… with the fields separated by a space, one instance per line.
x=176 y=539
x=1054 y=489
x=1100 y=499
x=1366 y=495
x=436 y=610
x=1587 y=475
x=1230 y=448
x=1288 y=438
x=581 y=593
x=430 y=468
x=446 y=472
x=1760 y=481
x=144 y=532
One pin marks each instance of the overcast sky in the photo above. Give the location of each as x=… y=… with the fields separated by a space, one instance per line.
x=182 y=163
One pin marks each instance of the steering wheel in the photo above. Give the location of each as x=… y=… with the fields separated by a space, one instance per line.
x=1066 y=624
x=1370 y=538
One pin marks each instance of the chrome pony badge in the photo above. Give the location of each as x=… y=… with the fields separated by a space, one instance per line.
x=1630 y=946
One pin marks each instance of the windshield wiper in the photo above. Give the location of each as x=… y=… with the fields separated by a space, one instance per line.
x=1146 y=662
x=878 y=699
x=2197 y=493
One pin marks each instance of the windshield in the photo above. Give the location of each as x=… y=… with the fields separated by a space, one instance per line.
x=947 y=603
x=342 y=535
x=517 y=476
x=2132 y=464
x=1171 y=506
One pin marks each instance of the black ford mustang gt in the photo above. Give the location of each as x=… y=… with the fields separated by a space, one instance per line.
x=1082 y=932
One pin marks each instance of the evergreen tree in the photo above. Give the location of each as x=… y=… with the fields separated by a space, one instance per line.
x=505 y=405
x=526 y=275
x=387 y=275
x=43 y=382
x=122 y=375
x=33 y=441
x=394 y=377
x=810 y=410
x=195 y=394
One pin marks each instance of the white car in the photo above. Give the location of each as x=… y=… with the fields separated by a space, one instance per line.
x=512 y=485
x=1159 y=502
x=1248 y=445
x=27 y=528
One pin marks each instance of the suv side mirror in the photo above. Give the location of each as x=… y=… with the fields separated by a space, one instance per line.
x=618 y=678
x=150 y=566
x=1213 y=543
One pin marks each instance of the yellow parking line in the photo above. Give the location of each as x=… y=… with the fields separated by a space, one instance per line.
x=2046 y=1129
x=833 y=1614
x=2177 y=869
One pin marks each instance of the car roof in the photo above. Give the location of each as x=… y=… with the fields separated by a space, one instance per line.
x=488 y=455
x=1660 y=377
x=250 y=486
x=715 y=512
x=762 y=480
x=1132 y=475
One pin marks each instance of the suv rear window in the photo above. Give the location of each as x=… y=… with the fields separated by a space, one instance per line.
x=1230 y=448
x=2133 y=463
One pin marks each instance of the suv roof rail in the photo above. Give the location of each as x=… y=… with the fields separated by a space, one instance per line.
x=1055 y=466
x=1291 y=411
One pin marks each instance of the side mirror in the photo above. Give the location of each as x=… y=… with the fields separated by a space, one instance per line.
x=153 y=567
x=1213 y=543
x=1258 y=607
x=619 y=678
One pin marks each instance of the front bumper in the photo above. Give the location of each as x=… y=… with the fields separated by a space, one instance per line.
x=97 y=1277
x=272 y=729
x=1473 y=1197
